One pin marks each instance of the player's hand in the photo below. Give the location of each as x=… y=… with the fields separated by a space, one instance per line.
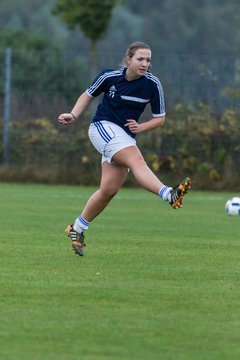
x=66 y=118
x=133 y=126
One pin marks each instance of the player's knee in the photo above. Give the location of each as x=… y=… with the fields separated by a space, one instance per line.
x=109 y=192
x=138 y=162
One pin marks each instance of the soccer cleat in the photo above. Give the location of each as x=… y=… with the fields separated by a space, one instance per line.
x=178 y=192
x=77 y=240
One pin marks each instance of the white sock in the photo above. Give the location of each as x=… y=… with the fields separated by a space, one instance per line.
x=80 y=224
x=165 y=193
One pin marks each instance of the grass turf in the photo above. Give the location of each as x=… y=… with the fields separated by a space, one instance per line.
x=156 y=283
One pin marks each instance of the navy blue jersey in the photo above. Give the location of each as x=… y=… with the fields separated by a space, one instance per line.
x=125 y=99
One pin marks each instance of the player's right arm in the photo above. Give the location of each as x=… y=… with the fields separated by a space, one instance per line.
x=97 y=87
x=81 y=104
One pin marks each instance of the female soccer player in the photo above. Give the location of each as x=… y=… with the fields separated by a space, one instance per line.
x=126 y=92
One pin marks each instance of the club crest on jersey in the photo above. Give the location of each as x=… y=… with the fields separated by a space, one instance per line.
x=112 y=91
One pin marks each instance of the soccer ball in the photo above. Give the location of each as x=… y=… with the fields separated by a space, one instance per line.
x=232 y=206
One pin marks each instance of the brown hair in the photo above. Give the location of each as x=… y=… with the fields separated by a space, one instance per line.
x=134 y=47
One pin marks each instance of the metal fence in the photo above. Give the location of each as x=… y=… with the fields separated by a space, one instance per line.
x=39 y=80
x=42 y=85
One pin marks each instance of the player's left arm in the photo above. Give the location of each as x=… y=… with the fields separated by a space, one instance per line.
x=158 y=108
x=152 y=124
x=149 y=125
x=158 y=111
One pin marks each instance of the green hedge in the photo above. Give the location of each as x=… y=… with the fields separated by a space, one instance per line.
x=193 y=142
x=198 y=143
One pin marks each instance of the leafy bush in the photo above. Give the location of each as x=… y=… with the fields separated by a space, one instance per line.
x=193 y=142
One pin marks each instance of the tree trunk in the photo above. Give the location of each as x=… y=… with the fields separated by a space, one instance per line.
x=93 y=59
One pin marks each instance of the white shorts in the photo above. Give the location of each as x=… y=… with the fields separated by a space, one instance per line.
x=109 y=138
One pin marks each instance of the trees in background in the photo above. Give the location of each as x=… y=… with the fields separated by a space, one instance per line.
x=197 y=26
x=186 y=27
x=19 y=39
x=193 y=27
x=92 y=17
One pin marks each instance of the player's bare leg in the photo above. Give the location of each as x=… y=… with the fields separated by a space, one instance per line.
x=132 y=158
x=112 y=179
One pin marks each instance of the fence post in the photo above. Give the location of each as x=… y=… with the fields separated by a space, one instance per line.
x=6 y=105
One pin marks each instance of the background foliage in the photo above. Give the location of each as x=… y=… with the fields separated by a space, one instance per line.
x=195 y=54
x=208 y=150
x=196 y=26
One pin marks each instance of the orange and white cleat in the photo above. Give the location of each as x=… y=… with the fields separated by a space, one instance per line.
x=77 y=240
x=178 y=192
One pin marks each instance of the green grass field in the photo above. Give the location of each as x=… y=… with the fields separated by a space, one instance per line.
x=156 y=283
